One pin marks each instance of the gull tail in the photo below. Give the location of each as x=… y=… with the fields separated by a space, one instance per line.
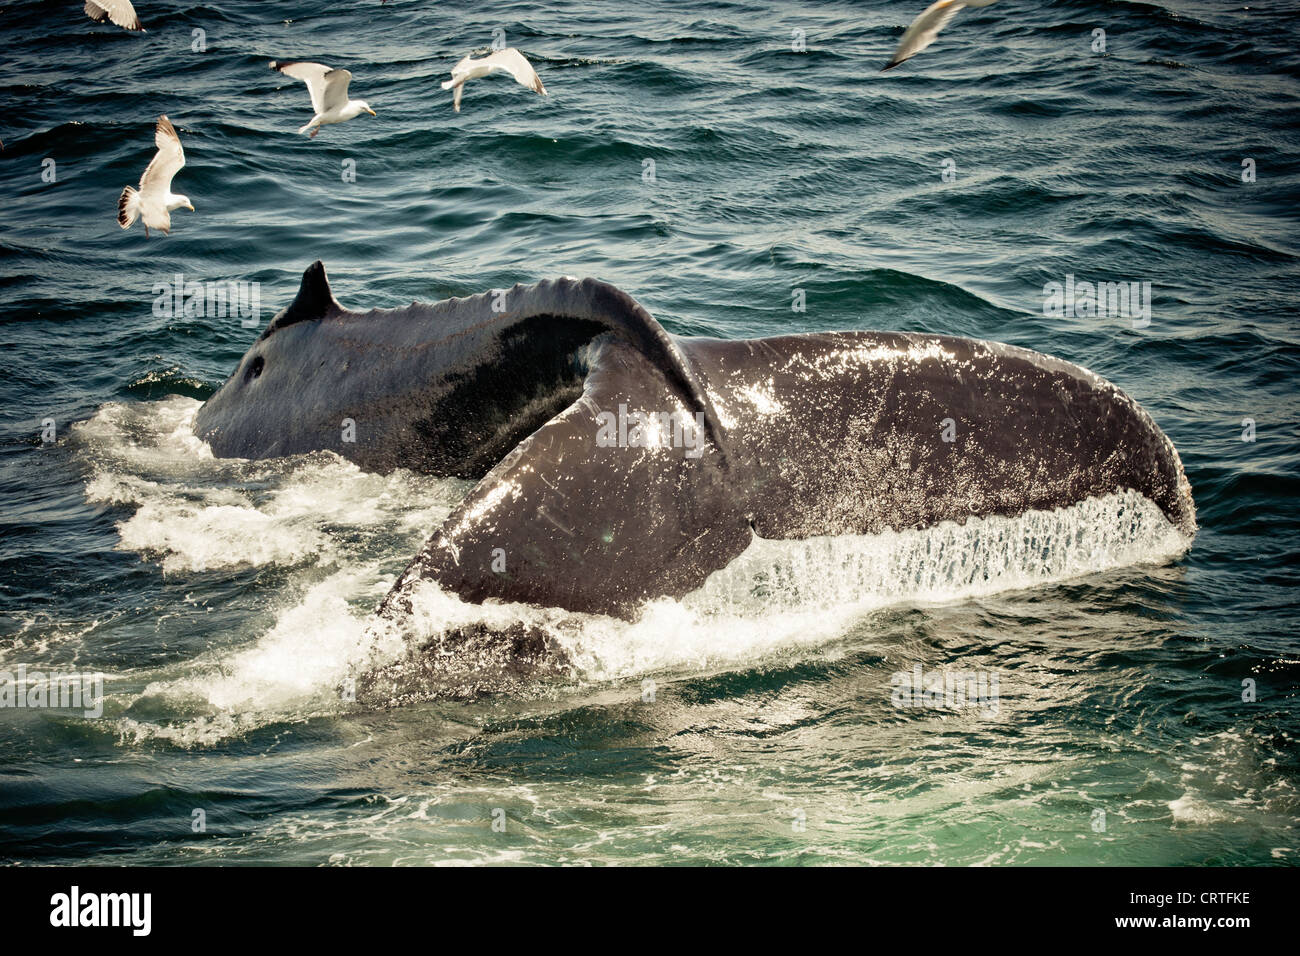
x=128 y=207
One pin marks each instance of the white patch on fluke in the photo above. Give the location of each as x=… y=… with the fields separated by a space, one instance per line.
x=763 y=398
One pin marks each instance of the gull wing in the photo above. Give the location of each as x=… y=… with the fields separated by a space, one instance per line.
x=313 y=74
x=157 y=178
x=119 y=11
x=336 y=90
x=516 y=64
x=924 y=29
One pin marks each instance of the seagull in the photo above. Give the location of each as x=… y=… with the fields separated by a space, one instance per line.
x=155 y=200
x=119 y=11
x=926 y=27
x=329 y=94
x=504 y=61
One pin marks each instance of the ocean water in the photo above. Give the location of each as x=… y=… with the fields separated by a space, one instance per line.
x=227 y=602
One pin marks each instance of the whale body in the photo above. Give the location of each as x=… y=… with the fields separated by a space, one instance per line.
x=618 y=463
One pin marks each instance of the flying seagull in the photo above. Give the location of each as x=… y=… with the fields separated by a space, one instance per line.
x=503 y=61
x=329 y=94
x=155 y=200
x=926 y=27
x=119 y=11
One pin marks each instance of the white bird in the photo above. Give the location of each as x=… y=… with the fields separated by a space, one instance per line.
x=119 y=11
x=329 y=94
x=155 y=200
x=503 y=61
x=926 y=27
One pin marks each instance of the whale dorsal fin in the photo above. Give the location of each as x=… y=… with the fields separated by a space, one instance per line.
x=314 y=301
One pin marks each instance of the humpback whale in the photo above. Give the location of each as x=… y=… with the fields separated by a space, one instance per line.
x=618 y=463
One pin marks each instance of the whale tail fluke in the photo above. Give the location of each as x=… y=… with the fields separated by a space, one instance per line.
x=128 y=207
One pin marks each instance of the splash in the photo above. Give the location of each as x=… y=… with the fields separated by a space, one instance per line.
x=337 y=532
x=196 y=513
x=295 y=671
x=782 y=596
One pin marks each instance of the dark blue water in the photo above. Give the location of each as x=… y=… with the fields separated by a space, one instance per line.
x=224 y=601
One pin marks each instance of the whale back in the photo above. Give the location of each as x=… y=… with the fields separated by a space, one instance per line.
x=446 y=388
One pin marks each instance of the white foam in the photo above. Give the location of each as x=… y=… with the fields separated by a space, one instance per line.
x=195 y=513
x=145 y=435
x=213 y=536
x=301 y=662
x=1191 y=809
